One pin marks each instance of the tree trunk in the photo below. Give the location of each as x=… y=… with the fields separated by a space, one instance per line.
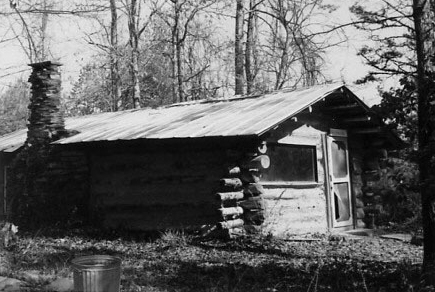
x=283 y=62
x=179 y=73
x=425 y=133
x=238 y=44
x=135 y=78
x=179 y=47
x=249 y=48
x=174 y=66
x=177 y=78
x=114 y=64
x=42 y=52
x=134 y=44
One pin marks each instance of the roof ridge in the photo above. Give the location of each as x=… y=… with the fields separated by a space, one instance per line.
x=246 y=96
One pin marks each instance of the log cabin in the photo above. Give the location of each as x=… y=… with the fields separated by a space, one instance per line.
x=287 y=162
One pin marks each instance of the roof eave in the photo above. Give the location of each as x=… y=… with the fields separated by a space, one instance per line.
x=264 y=131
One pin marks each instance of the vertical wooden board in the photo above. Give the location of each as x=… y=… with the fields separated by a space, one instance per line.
x=321 y=162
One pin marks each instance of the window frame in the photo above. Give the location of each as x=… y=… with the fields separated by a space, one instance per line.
x=294 y=183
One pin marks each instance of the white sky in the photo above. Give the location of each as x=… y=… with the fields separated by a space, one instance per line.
x=68 y=45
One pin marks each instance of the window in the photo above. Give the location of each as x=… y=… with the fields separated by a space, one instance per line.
x=291 y=163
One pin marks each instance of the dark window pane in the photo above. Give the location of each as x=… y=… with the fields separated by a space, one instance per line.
x=291 y=163
x=339 y=161
x=341 y=202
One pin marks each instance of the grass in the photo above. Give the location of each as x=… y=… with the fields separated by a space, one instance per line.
x=178 y=261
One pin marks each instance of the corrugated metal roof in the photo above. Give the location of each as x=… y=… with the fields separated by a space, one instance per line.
x=241 y=116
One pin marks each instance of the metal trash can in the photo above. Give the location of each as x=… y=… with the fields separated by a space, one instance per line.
x=96 y=273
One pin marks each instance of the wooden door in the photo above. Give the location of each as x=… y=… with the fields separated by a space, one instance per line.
x=340 y=192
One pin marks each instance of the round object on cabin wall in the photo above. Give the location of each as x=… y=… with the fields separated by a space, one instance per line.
x=262 y=148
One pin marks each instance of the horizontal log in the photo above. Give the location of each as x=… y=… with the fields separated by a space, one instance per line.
x=234 y=154
x=378 y=143
x=372 y=130
x=234 y=171
x=356 y=119
x=231 y=211
x=253 y=203
x=351 y=106
x=250 y=176
x=231 y=224
x=253 y=189
x=360 y=223
x=359 y=203
x=360 y=214
x=258 y=162
x=229 y=196
x=231 y=183
x=256 y=217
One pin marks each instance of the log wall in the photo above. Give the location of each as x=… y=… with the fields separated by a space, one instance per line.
x=65 y=184
x=5 y=160
x=241 y=198
x=150 y=190
x=356 y=164
x=375 y=177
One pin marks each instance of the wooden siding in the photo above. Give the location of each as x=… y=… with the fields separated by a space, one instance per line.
x=295 y=211
x=295 y=208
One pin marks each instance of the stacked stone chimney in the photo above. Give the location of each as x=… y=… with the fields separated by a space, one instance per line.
x=45 y=122
x=49 y=184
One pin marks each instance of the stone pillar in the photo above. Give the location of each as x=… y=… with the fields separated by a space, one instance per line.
x=45 y=123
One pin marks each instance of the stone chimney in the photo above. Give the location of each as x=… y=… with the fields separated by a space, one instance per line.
x=45 y=123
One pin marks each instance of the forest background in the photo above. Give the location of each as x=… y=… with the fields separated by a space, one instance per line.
x=128 y=53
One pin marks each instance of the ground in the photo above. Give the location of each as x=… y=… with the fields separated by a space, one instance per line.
x=175 y=261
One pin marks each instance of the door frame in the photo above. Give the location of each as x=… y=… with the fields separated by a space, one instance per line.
x=338 y=135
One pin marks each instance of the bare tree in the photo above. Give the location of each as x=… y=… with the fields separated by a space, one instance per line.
x=180 y=18
x=294 y=46
x=29 y=22
x=136 y=28
x=291 y=42
x=30 y=49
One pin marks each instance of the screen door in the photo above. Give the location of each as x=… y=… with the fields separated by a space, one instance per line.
x=340 y=193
